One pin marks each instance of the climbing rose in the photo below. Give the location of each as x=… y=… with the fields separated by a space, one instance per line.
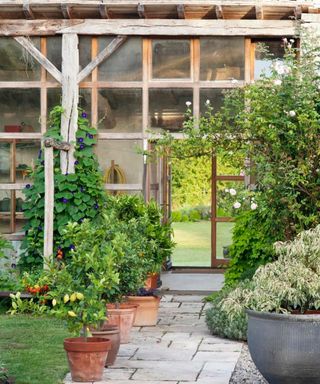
x=236 y=205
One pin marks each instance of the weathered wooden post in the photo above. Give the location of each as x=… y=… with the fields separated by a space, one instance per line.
x=49 y=145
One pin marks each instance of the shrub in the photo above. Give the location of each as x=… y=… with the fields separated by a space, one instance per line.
x=291 y=283
x=252 y=245
x=194 y=215
x=221 y=323
x=176 y=216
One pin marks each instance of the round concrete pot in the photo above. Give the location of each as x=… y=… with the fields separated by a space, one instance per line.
x=285 y=348
x=112 y=333
x=147 y=311
x=86 y=357
x=122 y=316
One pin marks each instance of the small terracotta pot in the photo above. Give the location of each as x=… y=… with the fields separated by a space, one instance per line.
x=147 y=311
x=86 y=357
x=123 y=317
x=112 y=333
x=152 y=281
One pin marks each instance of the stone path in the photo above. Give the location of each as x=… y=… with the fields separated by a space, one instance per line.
x=178 y=350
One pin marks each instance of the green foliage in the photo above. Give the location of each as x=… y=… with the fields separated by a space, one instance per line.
x=291 y=283
x=5 y=246
x=253 y=237
x=9 y=279
x=77 y=196
x=193 y=214
x=220 y=323
x=156 y=245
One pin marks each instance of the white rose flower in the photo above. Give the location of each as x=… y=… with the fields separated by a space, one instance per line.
x=188 y=103
x=227 y=190
x=207 y=102
x=233 y=192
x=254 y=206
x=292 y=113
x=236 y=205
x=291 y=41
x=277 y=82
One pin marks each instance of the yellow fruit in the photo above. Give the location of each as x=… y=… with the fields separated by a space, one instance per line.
x=72 y=314
x=79 y=296
x=73 y=297
x=54 y=302
x=36 y=286
x=66 y=298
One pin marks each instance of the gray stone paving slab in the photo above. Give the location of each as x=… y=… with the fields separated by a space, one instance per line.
x=178 y=350
x=192 y=281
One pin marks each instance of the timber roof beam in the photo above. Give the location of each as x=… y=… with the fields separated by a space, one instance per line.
x=155 y=9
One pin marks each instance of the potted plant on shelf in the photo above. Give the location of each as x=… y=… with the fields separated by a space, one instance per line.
x=148 y=301
x=283 y=303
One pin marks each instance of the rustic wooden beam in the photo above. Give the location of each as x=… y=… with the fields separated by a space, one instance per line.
x=103 y=55
x=12 y=186
x=27 y=11
x=141 y=11
x=259 y=12
x=157 y=27
x=150 y=27
x=124 y=187
x=66 y=11
x=180 y=11
x=49 y=206
x=70 y=99
x=219 y=12
x=103 y=10
x=298 y=12
x=35 y=53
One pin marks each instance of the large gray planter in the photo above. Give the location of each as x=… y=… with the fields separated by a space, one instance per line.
x=285 y=348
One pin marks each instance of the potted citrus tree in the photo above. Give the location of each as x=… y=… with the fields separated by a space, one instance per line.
x=74 y=292
x=283 y=306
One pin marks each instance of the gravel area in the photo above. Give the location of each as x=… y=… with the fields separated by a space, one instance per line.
x=245 y=371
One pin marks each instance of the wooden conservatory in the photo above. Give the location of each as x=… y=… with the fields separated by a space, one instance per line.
x=132 y=66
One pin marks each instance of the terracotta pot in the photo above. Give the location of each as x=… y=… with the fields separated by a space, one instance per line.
x=87 y=358
x=123 y=317
x=147 y=311
x=112 y=333
x=152 y=281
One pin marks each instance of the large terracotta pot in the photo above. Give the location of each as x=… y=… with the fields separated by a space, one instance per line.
x=87 y=357
x=123 y=316
x=152 y=281
x=285 y=348
x=112 y=333
x=147 y=311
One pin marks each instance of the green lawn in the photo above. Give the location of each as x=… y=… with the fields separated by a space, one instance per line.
x=32 y=349
x=194 y=242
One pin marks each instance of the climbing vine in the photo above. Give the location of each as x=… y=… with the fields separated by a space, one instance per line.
x=77 y=196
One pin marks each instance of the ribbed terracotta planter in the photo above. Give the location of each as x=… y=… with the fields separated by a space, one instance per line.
x=86 y=357
x=123 y=317
x=112 y=333
x=147 y=311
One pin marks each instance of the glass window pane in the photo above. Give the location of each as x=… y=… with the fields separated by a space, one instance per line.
x=215 y=97
x=229 y=193
x=53 y=98
x=120 y=110
x=16 y=63
x=222 y=58
x=265 y=53
x=125 y=64
x=224 y=239
x=85 y=101
x=85 y=53
x=5 y=162
x=170 y=59
x=5 y=211
x=27 y=152
x=20 y=110
x=120 y=162
x=54 y=44
x=20 y=220
x=167 y=107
